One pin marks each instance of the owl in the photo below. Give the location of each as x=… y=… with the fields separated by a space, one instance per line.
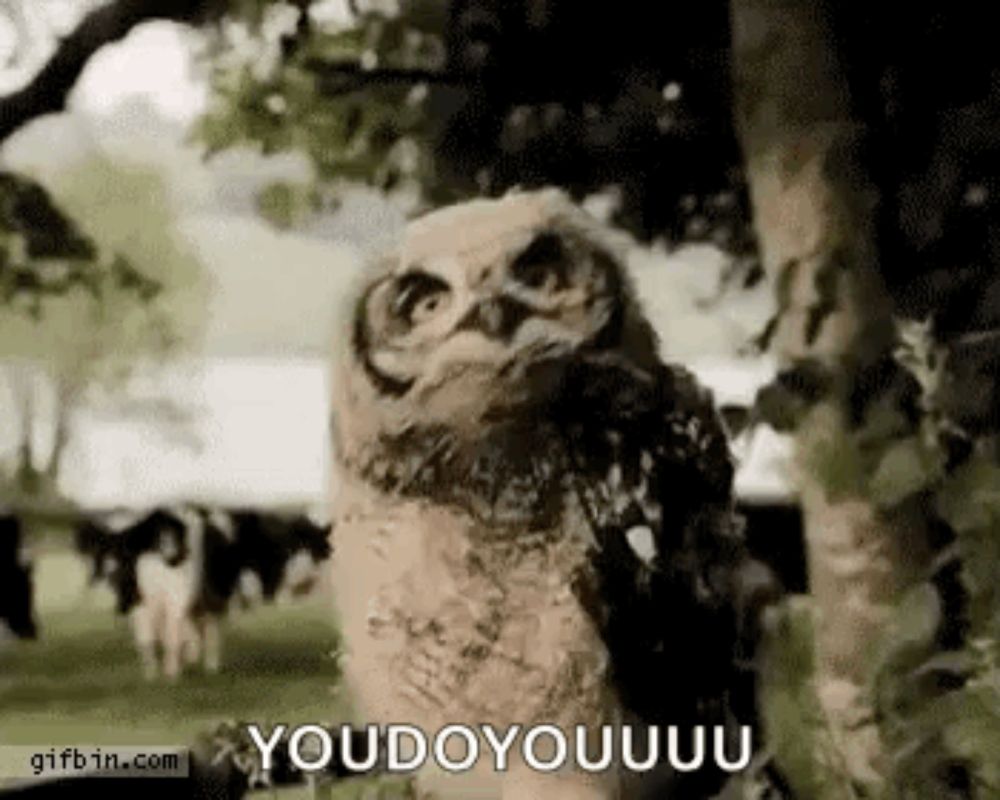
x=534 y=520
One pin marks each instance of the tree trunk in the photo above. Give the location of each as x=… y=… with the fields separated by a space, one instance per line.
x=22 y=384
x=814 y=209
x=60 y=438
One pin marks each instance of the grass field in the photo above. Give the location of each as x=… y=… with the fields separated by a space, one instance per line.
x=80 y=683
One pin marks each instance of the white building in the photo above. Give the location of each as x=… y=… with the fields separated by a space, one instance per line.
x=249 y=431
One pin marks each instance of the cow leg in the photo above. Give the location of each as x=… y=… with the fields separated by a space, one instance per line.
x=212 y=633
x=192 y=643
x=144 y=631
x=174 y=638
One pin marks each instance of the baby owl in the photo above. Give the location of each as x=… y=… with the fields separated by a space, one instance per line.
x=534 y=514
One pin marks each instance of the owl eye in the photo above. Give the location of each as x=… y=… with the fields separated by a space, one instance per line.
x=419 y=297
x=542 y=265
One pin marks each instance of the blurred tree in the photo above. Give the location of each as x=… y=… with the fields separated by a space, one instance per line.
x=75 y=314
x=871 y=150
x=813 y=201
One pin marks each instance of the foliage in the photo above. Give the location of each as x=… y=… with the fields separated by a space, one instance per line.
x=268 y=94
x=794 y=725
x=283 y=203
x=80 y=306
x=43 y=254
x=469 y=97
x=49 y=266
x=937 y=679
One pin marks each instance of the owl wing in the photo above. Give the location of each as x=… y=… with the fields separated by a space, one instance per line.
x=652 y=469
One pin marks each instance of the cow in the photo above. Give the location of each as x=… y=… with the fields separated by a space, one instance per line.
x=155 y=568
x=279 y=555
x=17 y=615
x=182 y=599
x=175 y=572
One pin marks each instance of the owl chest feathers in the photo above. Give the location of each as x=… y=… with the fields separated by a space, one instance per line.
x=459 y=593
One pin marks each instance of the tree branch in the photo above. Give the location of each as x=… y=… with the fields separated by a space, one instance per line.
x=348 y=76
x=50 y=88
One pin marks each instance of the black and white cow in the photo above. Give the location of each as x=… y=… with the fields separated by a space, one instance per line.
x=17 y=615
x=175 y=572
x=153 y=566
x=279 y=555
x=114 y=548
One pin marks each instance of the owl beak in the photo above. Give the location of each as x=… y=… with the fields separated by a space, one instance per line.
x=497 y=317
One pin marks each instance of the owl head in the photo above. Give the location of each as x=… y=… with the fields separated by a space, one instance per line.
x=477 y=312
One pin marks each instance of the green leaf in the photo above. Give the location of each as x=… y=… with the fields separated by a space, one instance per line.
x=906 y=468
x=970 y=498
x=790 y=708
x=974 y=733
x=906 y=648
x=286 y=205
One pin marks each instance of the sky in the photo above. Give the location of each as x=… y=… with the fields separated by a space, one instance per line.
x=258 y=397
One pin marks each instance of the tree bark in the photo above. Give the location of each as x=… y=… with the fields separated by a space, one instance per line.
x=814 y=208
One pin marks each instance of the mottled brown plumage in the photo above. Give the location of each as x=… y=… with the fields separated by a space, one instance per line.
x=533 y=514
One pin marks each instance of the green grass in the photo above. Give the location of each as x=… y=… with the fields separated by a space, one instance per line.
x=80 y=683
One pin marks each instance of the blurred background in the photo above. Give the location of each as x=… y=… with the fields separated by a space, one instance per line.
x=189 y=187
